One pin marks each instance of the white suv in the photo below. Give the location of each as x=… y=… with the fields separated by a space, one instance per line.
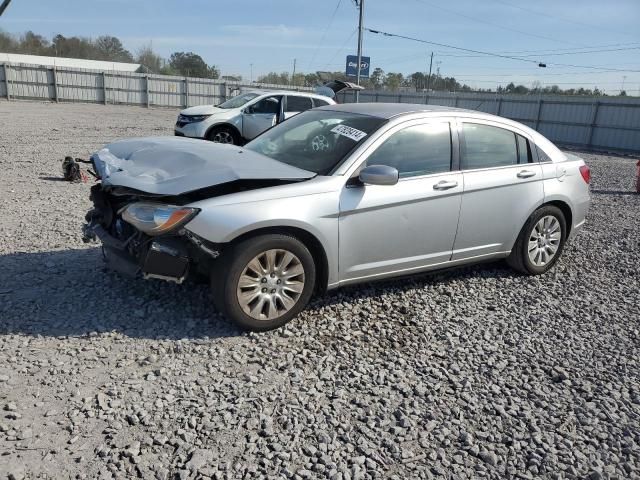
x=244 y=117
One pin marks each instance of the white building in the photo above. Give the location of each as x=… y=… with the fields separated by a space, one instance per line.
x=69 y=62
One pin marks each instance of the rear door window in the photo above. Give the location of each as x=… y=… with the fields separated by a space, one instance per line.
x=542 y=157
x=524 y=151
x=486 y=146
x=298 y=104
x=317 y=102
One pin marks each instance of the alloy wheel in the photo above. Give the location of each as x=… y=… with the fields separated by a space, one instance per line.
x=222 y=137
x=544 y=240
x=271 y=284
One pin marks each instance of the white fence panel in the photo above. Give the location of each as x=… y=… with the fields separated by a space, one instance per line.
x=608 y=123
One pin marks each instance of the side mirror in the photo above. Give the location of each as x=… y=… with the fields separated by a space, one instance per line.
x=379 y=175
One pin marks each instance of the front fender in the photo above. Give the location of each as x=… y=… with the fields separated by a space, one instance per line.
x=316 y=214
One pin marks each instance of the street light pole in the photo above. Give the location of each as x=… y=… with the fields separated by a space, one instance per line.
x=360 y=28
x=429 y=77
x=294 y=72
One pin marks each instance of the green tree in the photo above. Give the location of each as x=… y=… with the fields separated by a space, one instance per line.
x=275 y=78
x=33 y=44
x=192 y=65
x=8 y=43
x=418 y=80
x=111 y=49
x=377 y=78
x=311 y=80
x=392 y=81
x=73 y=47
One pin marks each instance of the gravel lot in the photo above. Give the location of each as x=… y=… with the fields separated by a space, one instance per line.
x=472 y=373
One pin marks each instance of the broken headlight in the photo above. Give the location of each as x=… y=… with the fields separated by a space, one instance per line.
x=157 y=219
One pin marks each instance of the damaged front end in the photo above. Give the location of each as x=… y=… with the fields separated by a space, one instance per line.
x=144 y=234
x=142 y=201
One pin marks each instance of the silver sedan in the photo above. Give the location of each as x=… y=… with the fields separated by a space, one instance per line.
x=338 y=195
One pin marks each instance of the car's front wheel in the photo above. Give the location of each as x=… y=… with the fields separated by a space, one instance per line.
x=223 y=135
x=540 y=242
x=264 y=282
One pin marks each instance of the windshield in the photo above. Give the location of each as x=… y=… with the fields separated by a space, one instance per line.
x=315 y=140
x=239 y=101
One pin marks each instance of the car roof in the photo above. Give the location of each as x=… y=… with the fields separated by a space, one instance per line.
x=395 y=110
x=390 y=110
x=289 y=92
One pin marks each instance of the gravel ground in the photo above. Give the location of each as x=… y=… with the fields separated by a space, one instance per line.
x=472 y=373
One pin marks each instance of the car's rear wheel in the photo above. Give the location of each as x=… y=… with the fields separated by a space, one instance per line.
x=540 y=242
x=223 y=135
x=264 y=282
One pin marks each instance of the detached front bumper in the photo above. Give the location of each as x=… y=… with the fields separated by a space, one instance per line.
x=163 y=258
x=173 y=256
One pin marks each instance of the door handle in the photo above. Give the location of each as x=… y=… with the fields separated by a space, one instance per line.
x=445 y=185
x=526 y=174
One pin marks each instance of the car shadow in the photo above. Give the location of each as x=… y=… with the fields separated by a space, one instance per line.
x=52 y=179
x=614 y=192
x=71 y=293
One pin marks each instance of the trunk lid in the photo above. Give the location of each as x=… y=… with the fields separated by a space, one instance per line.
x=175 y=165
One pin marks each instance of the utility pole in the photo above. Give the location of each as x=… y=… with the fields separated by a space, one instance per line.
x=360 y=28
x=294 y=72
x=429 y=77
x=4 y=6
x=251 y=67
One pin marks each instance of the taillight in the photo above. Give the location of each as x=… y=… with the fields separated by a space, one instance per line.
x=586 y=173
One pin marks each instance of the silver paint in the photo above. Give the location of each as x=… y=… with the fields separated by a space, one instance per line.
x=420 y=223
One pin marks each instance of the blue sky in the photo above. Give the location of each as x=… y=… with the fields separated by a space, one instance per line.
x=234 y=34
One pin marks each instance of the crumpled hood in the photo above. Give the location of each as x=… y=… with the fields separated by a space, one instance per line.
x=202 y=110
x=176 y=165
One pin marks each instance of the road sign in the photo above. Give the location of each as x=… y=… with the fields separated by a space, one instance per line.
x=352 y=66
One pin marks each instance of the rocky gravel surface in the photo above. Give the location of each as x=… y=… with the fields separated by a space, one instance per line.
x=472 y=373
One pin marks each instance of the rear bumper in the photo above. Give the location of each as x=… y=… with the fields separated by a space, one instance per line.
x=579 y=217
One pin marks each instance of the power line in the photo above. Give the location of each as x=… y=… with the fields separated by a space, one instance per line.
x=324 y=33
x=500 y=75
x=557 y=17
x=442 y=53
x=550 y=54
x=497 y=25
x=387 y=34
x=510 y=57
x=341 y=48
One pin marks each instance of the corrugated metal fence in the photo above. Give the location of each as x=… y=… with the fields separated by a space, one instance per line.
x=598 y=123
x=37 y=82
x=594 y=123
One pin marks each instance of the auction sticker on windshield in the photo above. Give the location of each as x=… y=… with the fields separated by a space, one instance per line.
x=349 y=132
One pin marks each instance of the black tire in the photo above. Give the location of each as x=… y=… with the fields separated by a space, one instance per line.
x=519 y=257
x=218 y=133
x=226 y=276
